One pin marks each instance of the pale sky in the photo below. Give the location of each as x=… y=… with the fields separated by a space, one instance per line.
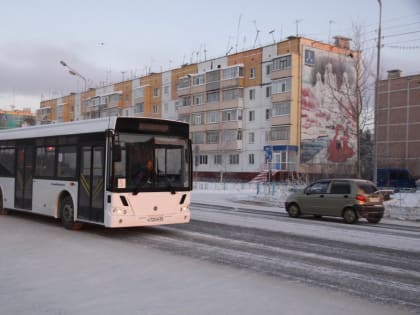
x=111 y=40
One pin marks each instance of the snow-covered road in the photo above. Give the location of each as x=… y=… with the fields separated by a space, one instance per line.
x=233 y=258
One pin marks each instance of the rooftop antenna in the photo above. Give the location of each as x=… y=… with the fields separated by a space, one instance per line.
x=330 y=22
x=243 y=43
x=192 y=54
x=183 y=60
x=228 y=44
x=205 y=53
x=297 y=26
x=230 y=49
x=256 y=35
x=272 y=35
x=122 y=75
x=237 y=32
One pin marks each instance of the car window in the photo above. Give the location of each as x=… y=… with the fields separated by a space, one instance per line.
x=366 y=188
x=340 y=188
x=318 y=188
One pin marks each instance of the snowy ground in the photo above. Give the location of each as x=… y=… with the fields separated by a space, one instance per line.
x=402 y=206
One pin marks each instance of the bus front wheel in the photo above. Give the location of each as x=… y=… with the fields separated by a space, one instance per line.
x=67 y=214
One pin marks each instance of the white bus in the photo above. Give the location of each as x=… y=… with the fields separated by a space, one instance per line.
x=85 y=171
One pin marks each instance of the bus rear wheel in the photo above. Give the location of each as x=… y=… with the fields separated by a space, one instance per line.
x=67 y=214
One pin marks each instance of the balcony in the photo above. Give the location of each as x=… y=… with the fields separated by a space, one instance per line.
x=231 y=83
x=280 y=97
x=280 y=120
x=278 y=74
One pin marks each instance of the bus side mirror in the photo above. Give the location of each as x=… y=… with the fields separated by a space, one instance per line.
x=116 y=153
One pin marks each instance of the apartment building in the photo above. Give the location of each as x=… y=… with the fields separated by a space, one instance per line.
x=272 y=108
x=16 y=118
x=398 y=122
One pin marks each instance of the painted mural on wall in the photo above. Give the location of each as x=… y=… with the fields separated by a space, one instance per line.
x=328 y=126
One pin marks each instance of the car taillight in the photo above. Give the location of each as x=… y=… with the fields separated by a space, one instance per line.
x=361 y=198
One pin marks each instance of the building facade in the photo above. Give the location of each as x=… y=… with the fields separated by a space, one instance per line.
x=272 y=108
x=398 y=122
x=16 y=118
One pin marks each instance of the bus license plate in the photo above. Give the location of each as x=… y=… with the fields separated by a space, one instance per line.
x=155 y=219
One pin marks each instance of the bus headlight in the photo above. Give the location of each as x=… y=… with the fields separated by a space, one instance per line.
x=119 y=211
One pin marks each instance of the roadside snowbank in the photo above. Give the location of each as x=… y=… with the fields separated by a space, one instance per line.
x=402 y=206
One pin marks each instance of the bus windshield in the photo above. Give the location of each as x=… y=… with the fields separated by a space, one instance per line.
x=148 y=162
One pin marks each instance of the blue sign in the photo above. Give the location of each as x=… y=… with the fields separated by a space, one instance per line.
x=268 y=152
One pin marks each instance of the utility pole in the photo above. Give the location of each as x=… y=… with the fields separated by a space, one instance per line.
x=378 y=62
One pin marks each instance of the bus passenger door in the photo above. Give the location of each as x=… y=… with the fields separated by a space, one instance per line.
x=23 y=182
x=91 y=184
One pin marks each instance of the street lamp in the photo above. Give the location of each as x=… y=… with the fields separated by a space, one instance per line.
x=75 y=73
x=378 y=62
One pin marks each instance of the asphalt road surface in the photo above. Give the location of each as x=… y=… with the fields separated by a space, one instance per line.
x=224 y=261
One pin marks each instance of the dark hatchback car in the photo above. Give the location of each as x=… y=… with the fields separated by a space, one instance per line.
x=348 y=198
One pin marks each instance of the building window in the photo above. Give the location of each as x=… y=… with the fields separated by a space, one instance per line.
x=268 y=69
x=166 y=89
x=139 y=93
x=251 y=115
x=198 y=137
x=239 y=135
x=252 y=94
x=156 y=109
x=232 y=94
x=198 y=99
x=156 y=91
x=213 y=97
x=251 y=137
x=281 y=109
x=218 y=159
x=213 y=76
x=280 y=133
x=232 y=115
x=233 y=158
x=281 y=86
x=183 y=83
x=229 y=136
x=203 y=159
x=212 y=137
x=252 y=73
x=268 y=91
x=233 y=73
x=184 y=118
x=267 y=114
x=251 y=159
x=198 y=79
x=186 y=101
x=282 y=63
x=212 y=117
x=139 y=108
x=197 y=118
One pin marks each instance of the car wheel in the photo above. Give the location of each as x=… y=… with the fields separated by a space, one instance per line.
x=349 y=215
x=374 y=219
x=67 y=214
x=293 y=210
